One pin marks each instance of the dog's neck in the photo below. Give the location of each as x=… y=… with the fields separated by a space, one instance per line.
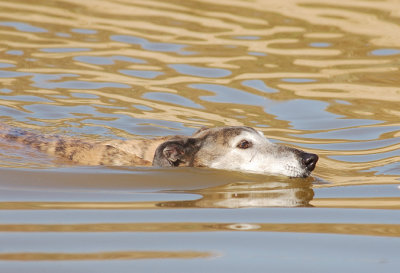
x=142 y=148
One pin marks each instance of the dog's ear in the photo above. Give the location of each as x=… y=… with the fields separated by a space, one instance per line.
x=175 y=152
x=201 y=130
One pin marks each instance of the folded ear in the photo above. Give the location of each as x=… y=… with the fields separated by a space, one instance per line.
x=175 y=152
x=201 y=130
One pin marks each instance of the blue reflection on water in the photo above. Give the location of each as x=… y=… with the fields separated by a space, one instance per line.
x=300 y=113
x=257 y=53
x=387 y=169
x=24 y=98
x=47 y=81
x=142 y=107
x=364 y=133
x=107 y=60
x=224 y=94
x=39 y=78
x=147 y=45
x=62 y=34
x=23 y=27
x=64 y=49
x=259 y=85
x=320 y=44
x=359 y=191
x=15 y=52
x=79 y=85
x=84 y=96
x=84 y=31
x=352 y=146
x=146 y=74
x=385 y=52
x=6 y=65
x=312 y=115
x=366 y=157
x=12 y=74
x=200 y=71
x=171 y=98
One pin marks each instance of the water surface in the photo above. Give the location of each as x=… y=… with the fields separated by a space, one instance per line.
x=322 y=76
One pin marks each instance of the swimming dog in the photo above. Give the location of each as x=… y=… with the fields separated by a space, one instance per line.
x=237 y=148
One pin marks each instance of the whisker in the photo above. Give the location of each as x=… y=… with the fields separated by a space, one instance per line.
x=251 y=159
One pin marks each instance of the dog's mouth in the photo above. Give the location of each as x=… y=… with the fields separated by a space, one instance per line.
x=296 y=172
x=308 y=164
x=306 y=174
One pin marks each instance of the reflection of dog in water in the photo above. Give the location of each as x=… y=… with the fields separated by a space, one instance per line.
x=230 y=148
x=250 y=194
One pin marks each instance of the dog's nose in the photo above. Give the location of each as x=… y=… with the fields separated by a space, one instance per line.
x=309 y=160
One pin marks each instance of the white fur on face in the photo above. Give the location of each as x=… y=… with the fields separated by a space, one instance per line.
x=261 y=157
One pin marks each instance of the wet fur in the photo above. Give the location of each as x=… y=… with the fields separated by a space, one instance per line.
x=163 y=152
x=208 y=147
x=112 y=153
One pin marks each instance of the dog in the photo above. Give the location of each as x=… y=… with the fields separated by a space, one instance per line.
x=236 y=148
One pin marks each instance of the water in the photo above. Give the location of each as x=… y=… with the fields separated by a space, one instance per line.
x=321 y=76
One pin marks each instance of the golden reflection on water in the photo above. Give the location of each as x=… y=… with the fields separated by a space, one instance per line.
x=233 y=195
x=386 y=230
x=319 y=75
x=118 y=255
x=96 y=64
x=217 y=200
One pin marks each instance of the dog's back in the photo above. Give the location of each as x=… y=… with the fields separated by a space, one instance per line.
x=75 y=150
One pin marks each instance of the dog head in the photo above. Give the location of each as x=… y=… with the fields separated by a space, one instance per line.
x=234 y=148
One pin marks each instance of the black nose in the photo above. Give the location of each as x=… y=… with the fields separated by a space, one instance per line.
x=309 y=160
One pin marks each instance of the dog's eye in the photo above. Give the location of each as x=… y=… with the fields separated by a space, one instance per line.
x=244 y=144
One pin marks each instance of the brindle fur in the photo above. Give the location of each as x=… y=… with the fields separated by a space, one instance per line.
x=208 y=147
x=112 y=153
x=179 y=149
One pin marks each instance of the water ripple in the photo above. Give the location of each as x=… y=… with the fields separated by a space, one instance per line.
x=322 y=77
x=23 y=26
x=200 y=71
x=147 y=45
